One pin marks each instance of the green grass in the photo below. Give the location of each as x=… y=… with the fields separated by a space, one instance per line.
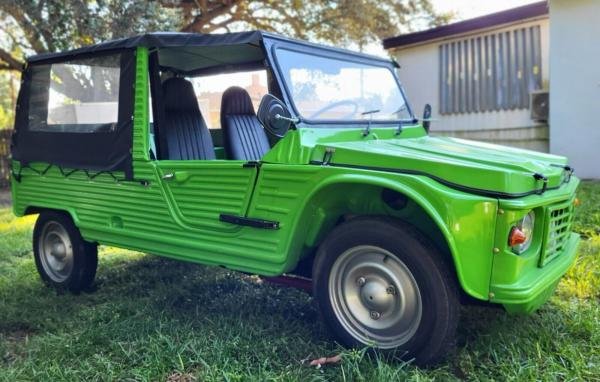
x=155 y=319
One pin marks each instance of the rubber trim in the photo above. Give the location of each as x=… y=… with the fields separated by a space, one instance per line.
x=456 y=186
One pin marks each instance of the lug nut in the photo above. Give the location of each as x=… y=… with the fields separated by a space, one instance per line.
x=375 y=315
x=361 y=281
x=391 y=290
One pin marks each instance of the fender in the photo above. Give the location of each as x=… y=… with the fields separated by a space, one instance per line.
x=378 y=181
x=410 y=192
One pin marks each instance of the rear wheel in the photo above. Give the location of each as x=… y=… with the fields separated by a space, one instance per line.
x=380 y=283
x=63 y=259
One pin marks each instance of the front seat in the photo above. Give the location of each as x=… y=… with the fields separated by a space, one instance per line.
x=187 y=135
x=243 y=136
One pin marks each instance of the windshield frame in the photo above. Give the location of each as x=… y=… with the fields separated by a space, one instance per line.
x=339 y=55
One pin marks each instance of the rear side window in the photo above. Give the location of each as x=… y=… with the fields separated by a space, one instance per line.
x=78 y=113
x=209 y=92
x=80 y=96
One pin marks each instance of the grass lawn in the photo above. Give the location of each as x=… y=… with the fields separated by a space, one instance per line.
x=155 y=319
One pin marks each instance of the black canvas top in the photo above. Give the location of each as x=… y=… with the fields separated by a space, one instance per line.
x=158 y=40
x=179 y=39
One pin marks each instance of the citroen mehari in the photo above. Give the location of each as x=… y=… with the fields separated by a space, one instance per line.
x=274 y=156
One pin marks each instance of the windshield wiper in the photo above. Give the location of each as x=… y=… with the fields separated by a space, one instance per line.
x=370 y=114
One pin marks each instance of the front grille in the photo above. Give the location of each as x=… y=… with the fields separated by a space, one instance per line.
x=558 y=227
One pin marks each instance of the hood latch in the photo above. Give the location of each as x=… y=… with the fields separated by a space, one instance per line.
x=537 y=176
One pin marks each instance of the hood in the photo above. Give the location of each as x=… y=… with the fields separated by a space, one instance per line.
x=474 y=167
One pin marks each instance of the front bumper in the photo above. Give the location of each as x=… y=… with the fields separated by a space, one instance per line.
x=536 y=286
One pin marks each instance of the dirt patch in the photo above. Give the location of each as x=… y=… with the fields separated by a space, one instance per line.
x=181 y=377
x=16 y=332
x=13 y=342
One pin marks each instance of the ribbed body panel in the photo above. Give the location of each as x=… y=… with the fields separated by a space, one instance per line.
x=174 y=220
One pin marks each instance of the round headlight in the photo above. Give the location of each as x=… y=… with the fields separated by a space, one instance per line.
x=525 y=226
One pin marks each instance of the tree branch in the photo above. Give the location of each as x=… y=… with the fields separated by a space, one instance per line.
x=207 y=14
x=11 y=62
x=30 y=31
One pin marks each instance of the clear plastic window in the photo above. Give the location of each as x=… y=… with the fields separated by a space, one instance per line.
x=79 y=96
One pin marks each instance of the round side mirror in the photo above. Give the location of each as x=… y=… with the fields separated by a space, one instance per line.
x=427 y=117
x=274 y=116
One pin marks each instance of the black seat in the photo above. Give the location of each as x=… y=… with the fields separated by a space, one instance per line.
x=187 y=136
x=243 y=135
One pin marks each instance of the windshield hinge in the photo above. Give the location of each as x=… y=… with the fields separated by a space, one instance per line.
x=328 y=155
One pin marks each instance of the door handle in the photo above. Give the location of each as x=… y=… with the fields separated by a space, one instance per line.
x=177 y=176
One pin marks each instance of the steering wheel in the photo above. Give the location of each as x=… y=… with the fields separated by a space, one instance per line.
x=335 y=105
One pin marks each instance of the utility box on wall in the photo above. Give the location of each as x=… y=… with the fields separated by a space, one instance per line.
x=539 y=104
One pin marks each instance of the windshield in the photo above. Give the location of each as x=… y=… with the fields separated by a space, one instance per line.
x=329 y=89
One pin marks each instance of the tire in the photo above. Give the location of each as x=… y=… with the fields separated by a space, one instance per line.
x=378 y=282
x=63 y=259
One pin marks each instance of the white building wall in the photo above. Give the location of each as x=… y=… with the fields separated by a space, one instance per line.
x=420 y=75
x=575 y=83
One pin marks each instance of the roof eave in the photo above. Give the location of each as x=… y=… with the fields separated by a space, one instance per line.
x=525 y=12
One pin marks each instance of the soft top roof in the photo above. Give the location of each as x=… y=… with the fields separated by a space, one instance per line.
x=180 y=39
x=158 y=40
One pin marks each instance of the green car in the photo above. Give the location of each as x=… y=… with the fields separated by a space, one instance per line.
x=273 y=156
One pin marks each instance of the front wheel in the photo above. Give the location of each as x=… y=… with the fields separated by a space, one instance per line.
x=380 y=283
x=63 y=259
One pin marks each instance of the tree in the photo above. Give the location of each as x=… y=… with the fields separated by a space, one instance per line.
x=38 y=26
x=337 y=21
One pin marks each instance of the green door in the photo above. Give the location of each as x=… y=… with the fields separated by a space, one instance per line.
x=199 y=191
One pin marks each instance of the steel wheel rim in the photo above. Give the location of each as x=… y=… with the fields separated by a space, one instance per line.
x=375 y=297
x=56 y=251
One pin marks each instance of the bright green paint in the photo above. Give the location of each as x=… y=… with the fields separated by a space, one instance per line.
x=141 y=143
x=179 y=217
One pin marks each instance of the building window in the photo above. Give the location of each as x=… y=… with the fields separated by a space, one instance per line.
x=491 y=72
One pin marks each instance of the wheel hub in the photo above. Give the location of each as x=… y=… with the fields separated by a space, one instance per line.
x=56 y=252
x=374 y=296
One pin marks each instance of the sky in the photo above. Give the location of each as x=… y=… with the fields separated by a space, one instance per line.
x=467 y=9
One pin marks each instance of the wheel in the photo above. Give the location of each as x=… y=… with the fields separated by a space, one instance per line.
x=380 y=283
x=63 y=259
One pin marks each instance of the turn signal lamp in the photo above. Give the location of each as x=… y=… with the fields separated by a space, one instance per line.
x=516 y=237
x=521 y=234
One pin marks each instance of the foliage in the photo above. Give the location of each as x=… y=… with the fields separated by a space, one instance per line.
x=9 y=86
x=156 y=319
x=337 y=21
x=37 y=26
